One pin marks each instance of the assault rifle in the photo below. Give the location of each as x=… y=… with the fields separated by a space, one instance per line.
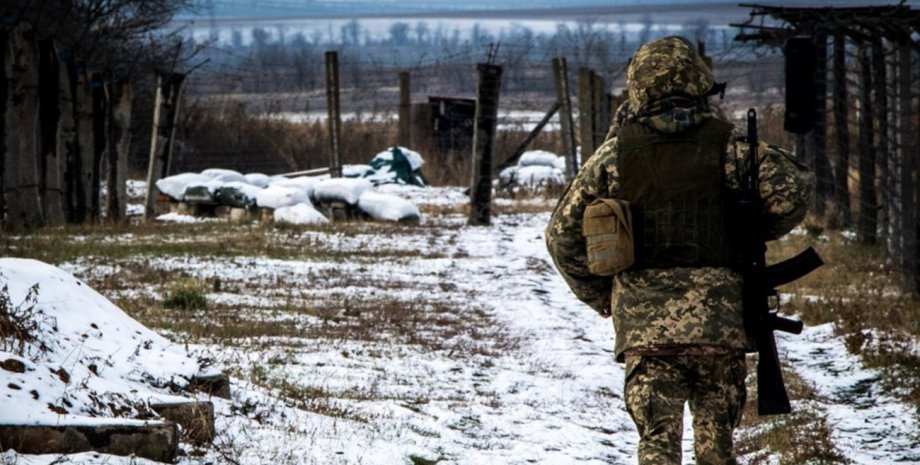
x=760 y=317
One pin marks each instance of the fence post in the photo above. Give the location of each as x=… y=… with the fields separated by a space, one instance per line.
x=817 y=143
x=560 y=75
x=586 y=111
x=868 y=205
x=21 y=168
x=842 y=130
x=165 y=116
x=335 y=114
x=404 y=137
x=119 y=142
x=53 y=166
x=880 y=85
x=483 y=134
x=601 y=120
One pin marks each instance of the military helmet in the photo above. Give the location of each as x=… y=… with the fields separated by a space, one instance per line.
x=668 y=67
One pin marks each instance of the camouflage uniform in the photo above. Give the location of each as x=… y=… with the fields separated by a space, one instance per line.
x=680 y=330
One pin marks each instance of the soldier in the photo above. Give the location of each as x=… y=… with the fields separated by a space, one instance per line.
x=677 y=311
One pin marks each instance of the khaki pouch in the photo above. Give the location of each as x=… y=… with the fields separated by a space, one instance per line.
x=608 y=230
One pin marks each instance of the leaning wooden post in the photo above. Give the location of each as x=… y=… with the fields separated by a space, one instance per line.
x=560 y=75
x=53 y=166
x=601 y=121
x=119 y=143
x=21 y=167
x=334 y=109
x=842 y=129
x=483 y=135
x=165 y=117
x=404 y=137
x=868 y=205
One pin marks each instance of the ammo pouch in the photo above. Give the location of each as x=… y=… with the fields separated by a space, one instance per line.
x=608 y=229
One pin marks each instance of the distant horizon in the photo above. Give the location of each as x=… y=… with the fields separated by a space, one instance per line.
x=276 y=9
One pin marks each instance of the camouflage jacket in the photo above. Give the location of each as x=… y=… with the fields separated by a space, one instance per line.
x=675 y=307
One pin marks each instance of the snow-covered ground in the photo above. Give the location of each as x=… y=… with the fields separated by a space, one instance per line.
x=528 y=378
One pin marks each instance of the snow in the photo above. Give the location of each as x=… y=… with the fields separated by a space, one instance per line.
x=178 y=218
x=174 y=186
x=88 y=357
x=258 y=179
x=538 y=158
x=301 y=213
x=224 y=175
x=387 y=207
x=276 y=196
x=553 y=395
x=306 y=183
x=347 y=190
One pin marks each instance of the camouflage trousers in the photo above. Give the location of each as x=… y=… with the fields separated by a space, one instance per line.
x=657 y=388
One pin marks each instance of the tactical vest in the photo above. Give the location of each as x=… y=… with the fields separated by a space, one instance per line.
x=676 y=184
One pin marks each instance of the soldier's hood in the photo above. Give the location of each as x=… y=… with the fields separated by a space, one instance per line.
x=663 y=69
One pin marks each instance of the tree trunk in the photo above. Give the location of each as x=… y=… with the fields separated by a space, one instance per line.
x=868 y=205
x=21 y=168
x=119 y=144
x=84 y=161
x=53 y=166
x=842 y=129
x=100 y=141
x=906 y=155
x=68 y=147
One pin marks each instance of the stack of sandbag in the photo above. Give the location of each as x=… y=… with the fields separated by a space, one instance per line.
x=536 y=169
x=395 y=165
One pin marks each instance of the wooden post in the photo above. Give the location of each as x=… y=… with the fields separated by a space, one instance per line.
x=894 y=168
x=335 y=114
x=560 y=75
x=598 y=96
x=100 y=141
x=868 y=205
x=53 y=166
x=880 y=85
x=119 y=142
x=817 y=143
x=21 y=167
x=490 y=77
x=165 y=116
x=404 y=137
x=842 y=129
x=586 y=111
x=908 y=164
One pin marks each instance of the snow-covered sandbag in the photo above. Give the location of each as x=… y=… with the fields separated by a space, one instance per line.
x=560 y=164
x=281 y=196
x=538 y=175
x=202 y=191
x=174 y=186
x=346 y=190
x=414 y=158
x=357 y=171
x=388 y=207
x=237 y=194
x=258 y=179
x=301 y=213
x=538 y=158
x=224 y=175
x=306 y=183
x=507 y=176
